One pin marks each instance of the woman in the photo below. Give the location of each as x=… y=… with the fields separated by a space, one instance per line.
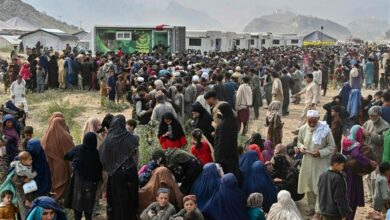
x=26 y=73
x=206 y=184
x=268 y=151
x=274 y=123
x=246 y=161
x=11 y=131
x=351 y=148
x=170 y=132
x=285 y=208
x=228 y=202
x=260 y=181
x=225 y=147
x=256 y=148
x=281 y=164
x=45 y=208
x=203 y=121
x=119 y=157
x=56 y=142
x=53 y=71
x=344 y=94
x=40 y=165
x=354 y=104
x=87 y=172
x=94 y=125
x=161 y=178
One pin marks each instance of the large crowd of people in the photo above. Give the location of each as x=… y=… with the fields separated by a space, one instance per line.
x=204 y=102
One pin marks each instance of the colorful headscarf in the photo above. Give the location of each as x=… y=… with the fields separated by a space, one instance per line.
x=354 y=139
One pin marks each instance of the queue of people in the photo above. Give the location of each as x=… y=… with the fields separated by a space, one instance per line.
x=216 y=178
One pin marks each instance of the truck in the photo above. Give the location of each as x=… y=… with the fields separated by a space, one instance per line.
x=143 y=39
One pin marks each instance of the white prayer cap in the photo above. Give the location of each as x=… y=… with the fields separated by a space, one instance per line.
x=238 y=68
x=140 y=79
x=176 y=74
x=313 y=114
x=195 y=78
x=189 y=67
x=169 y=63
x=230 y=71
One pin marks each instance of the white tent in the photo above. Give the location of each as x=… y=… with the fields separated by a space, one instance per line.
x=8 y=41
x=20 y=24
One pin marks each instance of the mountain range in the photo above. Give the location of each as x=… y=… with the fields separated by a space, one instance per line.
x=345 y=18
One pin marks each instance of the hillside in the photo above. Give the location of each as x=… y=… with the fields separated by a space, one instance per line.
x=368 y=28
x=285 y=23
x=12 y=8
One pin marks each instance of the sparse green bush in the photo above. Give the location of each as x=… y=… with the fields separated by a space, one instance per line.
x=113 y=107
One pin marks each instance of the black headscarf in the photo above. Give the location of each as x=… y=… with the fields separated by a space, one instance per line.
x=118 y=146
x=88 y=163
x=107 y=121
x=203 y=122
x=177 y=130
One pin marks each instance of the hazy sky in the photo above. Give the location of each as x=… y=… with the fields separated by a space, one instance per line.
x=233 y=14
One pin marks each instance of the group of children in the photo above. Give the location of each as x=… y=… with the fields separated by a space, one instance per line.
x=113 y=87
x=332 y=190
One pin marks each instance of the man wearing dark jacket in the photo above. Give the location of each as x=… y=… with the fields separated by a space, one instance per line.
x=332 y=191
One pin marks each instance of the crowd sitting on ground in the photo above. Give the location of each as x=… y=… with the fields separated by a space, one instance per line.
x=216 y=178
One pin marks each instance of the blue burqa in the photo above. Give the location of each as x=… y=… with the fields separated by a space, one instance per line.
x=206 y=184
x=246 y=161
x=260 y=181
x=344 y=94
x=369 y=73
x=354 y=103
x=228 y=202
x=40 y=165
x=45 y=202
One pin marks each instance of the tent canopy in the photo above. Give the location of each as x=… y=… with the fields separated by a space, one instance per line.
x=4 y=26
x=318 y=36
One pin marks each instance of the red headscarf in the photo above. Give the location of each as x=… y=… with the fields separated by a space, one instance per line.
x=256 y=148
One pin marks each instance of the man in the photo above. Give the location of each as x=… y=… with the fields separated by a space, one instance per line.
x=287 y=83
x=213 y=102
x=161 y=108
x=220 y=88
x=256 y=93
x=18 y=93
x=277 y=89
x=374 y=130
x=317 y=78
x=243 y=102
x=315 y=141
x=298 y=78
x=231 y=88
x=311 y=98
x=190 y=94
x=386 y=106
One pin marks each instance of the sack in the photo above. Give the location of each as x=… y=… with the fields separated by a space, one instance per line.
x=30 y=187
x=356 y=167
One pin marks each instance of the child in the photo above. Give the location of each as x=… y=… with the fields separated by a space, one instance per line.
x=80 y=82
x=131 y=124
x=382 y=194
x=103 y=91
x=111 y=85
x=120 y=89
x=337 y=126
x=254 y=204
x=41 y=77
x=160 y=210
x=332 y=190
x=7 y=209
x=28 y=132
x=200 y=149
x=190 y=209
x=23 y=167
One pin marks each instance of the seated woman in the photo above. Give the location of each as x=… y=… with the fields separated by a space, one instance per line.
x=190 y=210
x=260 y=181
x=170 y=132
x=160 y=210
x=268 y=151
x=228 y=202
x=254 y=204
x=45 y=208
x=281 y=165
x=285 y=208
x=246 y=161
x=256 y=148
x=161 y=178
x=206 y=184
